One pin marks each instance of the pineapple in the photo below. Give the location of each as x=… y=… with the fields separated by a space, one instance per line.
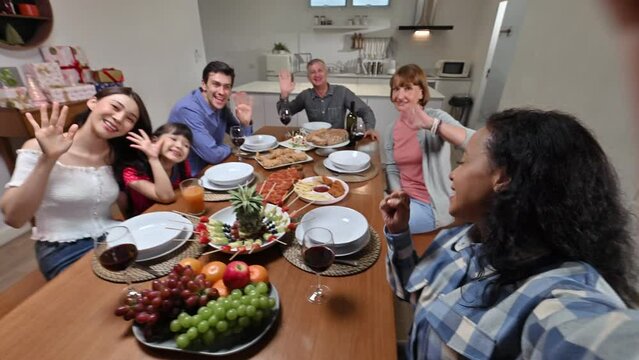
x=247 y=204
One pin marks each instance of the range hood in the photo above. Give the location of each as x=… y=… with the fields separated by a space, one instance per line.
x=425 y=17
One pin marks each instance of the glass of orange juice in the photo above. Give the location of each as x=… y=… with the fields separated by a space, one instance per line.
x=193 y=194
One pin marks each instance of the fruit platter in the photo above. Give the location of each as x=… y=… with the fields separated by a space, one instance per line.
x=249 y=225
x=212 y=309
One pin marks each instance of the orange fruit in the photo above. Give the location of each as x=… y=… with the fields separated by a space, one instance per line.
x=195 y=264
x=213 y=271
x=221 y=288
x=258 y=273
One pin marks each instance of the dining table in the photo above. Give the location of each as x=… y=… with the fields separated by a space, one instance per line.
x=72 y=316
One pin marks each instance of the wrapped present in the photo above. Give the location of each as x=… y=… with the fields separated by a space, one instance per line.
x=46 y=74
x=108 y=75
x=72 y=61
x=99 y=86
x=15 y=97
x=70 y=93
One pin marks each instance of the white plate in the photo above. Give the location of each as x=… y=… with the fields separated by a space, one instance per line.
x=183 y=235
x=275 y=145
x=308 y=158
x=329 y=165
x=339 y=145
x=315 y=125
x=350 y=160
x=215 y=187
x=354 y=248
x=347 y=225
x=227 y=216
x=229 y=174
x=226 y=345
x=151 y=233
x=329 y=198
x=258 y=142
x=288 y=144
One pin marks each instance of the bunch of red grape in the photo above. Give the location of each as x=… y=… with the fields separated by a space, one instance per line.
x=181 y=290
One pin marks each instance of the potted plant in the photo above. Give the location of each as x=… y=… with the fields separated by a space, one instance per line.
x=280 y=48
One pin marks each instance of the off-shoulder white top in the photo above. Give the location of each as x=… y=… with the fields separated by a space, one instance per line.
x=77 y=201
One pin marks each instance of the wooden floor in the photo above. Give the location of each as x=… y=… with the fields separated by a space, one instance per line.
x=17 y=259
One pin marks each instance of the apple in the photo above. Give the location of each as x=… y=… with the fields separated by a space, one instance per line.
x=236 y=275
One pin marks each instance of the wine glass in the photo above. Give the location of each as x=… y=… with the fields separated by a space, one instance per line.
x=237 y=138
x=285 y=114
x=318 y=255
x=116 y=251
x=357 y=131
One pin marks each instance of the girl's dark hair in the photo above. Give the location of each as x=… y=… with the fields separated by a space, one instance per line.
x=121 y=153
x=562 y=203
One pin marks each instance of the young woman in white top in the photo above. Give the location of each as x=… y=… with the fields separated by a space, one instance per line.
x=67 y=181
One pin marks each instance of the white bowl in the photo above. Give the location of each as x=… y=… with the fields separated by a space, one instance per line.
x=350 y=159
x=154 y=232
x=259 y=142
x=315 y=125
x=347 y=225
x=231 y=173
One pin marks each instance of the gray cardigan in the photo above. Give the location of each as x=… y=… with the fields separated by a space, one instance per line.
x=435 y=162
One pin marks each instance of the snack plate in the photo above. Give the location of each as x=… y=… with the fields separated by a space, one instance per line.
x=289 y=144
x=308 y=158
x=229 y=345
x=334 y=146
x=227 y=216
x=314 y=196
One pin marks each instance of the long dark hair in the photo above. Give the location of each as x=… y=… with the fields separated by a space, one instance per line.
x=562 y=203
x=121 y=152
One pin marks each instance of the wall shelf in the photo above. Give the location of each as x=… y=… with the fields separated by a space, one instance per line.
x=340 y=27
x=34 y=30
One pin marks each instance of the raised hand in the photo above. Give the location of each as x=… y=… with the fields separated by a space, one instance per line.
x=395 y=210
x=143 y=143
x=415 y=117
x=50 y=132
x=243 y=107
x=626 y=12
x=286 y=83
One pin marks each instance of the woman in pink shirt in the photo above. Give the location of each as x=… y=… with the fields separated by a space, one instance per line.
x=418 y=150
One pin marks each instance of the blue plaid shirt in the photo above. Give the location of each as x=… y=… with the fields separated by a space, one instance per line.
x=566 y=312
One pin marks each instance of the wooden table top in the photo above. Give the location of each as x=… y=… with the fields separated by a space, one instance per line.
x=71 y=317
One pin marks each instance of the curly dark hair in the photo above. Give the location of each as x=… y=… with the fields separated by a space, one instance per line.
x=562 y=203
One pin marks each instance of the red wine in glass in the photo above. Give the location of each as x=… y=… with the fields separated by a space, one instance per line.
x=119 y=257
x=238 y=141
x=285 y=116
x=319 y=258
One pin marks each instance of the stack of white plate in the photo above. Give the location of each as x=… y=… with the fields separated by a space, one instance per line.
x=348 y=161
x=257 y=143
x=228 y=175
x=158 y=233
x=349 y=228
x=315 y=125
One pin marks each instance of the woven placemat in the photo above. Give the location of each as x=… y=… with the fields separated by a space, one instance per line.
x=365 y=258
x=158 y=267
x=210 y=195
x=320 y=169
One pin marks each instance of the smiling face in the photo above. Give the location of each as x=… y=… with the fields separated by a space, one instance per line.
x=405 y=94
x=217 y=90
x=113 y=116
x=317 y=74
x=474 y=180
x=175 y=148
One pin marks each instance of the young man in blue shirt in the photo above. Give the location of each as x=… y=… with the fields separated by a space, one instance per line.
x=206 y=112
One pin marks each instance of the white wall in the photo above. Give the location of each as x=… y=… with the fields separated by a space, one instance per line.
x=152 y=41
x=567 y=58
x=240 y=31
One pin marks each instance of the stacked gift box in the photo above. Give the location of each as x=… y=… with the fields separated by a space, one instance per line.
x=106 y=78
x=12 y=93
x=51 y=80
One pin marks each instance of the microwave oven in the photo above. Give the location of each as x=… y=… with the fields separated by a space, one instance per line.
x=453 y=68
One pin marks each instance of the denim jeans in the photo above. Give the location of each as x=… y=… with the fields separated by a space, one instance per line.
x=53 y=257
x=422 y=218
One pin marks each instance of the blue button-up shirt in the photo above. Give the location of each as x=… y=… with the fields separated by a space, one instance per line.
x=569 y=312
x=208 y=127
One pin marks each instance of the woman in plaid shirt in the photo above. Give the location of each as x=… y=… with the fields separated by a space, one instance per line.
x=543 y=268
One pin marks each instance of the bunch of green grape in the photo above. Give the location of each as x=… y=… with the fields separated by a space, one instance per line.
x=224 y=316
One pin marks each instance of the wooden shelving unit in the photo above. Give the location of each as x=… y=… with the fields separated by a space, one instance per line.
x=34 y=30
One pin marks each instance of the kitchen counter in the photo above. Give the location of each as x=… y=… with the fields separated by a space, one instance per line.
x=362 y=90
